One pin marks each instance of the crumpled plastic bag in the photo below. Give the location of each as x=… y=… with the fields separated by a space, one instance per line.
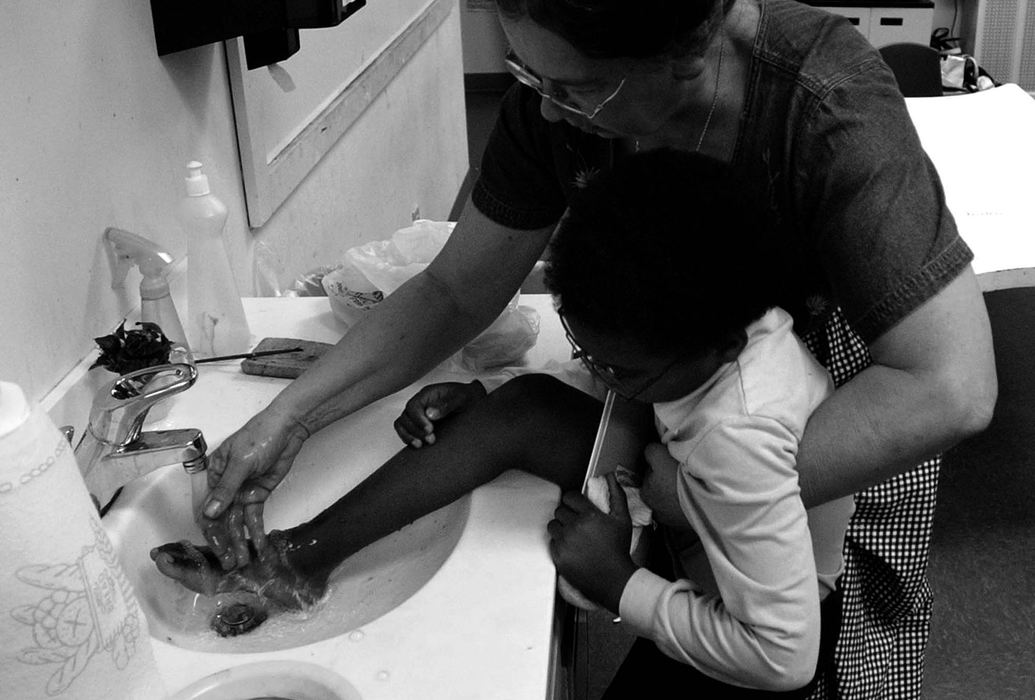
x=310 y=283
x=373 y=270
x=387 y=264
x=505 y=342
x=267 y=270
x=350 y=293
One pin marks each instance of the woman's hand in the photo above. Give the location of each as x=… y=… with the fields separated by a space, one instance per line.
x=242 y=472
x=416 y=424
x=658 y=489
x=591 y=548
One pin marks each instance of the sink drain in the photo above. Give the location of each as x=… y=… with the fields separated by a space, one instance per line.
x=237 y=619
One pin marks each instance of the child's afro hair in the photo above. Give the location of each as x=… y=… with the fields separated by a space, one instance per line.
x=666 y=248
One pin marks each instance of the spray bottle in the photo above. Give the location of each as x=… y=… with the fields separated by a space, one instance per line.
x=156 y=305
x=216 y=324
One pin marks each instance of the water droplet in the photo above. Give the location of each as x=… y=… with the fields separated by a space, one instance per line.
x=383 y=675
x=356 y=635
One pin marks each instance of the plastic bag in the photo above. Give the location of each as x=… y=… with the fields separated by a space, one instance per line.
x=350 y=293
x=374 y=270
x=963 y=74
x=387 y=264
x=310 y=283
x=505 y=342
x=267 y=271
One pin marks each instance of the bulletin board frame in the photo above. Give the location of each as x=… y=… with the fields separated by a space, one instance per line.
x=274 y=162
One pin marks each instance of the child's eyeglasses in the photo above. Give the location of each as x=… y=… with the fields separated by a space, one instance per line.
x=526 y=77
x=609 y=374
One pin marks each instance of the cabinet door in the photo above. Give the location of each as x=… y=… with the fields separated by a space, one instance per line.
x=858 y=16
x=900 y=25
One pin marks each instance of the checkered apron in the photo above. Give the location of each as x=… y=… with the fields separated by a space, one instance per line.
x=886 y=611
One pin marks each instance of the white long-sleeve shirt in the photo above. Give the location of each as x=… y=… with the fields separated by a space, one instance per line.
x=747 y=612
x=746 y=607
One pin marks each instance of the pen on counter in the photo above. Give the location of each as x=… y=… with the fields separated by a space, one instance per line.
x=247 y=355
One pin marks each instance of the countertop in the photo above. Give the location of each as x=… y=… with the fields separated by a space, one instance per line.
x=483 y=626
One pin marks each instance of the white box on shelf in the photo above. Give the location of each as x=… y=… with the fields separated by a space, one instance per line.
x=900 y=25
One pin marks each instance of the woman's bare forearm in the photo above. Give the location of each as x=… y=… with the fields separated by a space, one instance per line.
x=855 y=440
x=420 y=324
x=381 y=354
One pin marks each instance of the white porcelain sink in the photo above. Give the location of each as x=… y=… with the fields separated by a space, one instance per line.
x=271 y=680
x=365 y=587
x=456 y=605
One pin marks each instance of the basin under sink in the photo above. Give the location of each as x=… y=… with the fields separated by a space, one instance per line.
x=268 y=680
x=156 y=509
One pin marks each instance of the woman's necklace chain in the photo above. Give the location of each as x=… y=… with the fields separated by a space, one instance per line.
x=715 y=99
x=715 y=95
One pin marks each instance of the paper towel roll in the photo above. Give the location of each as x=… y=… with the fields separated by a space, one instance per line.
x=70 y=626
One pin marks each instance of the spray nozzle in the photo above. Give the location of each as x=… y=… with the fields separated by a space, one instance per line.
x=128 y=249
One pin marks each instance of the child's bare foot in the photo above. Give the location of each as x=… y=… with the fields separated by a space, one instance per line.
x=196 y=568
x=268 y=577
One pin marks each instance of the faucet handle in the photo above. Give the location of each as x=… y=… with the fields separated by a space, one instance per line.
x=152 y=384
x=120 y=406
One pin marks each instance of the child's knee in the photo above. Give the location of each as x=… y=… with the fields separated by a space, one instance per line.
x=540 y=404
x=533 y=390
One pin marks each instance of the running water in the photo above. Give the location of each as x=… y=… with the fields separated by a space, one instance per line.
x=365 y=587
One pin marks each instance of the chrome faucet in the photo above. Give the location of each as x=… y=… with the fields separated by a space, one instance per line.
x=115 y=449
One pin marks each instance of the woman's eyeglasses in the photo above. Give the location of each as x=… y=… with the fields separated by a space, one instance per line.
x=526 y=77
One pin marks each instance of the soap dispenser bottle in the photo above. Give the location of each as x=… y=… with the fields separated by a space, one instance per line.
x=216 y=324
x=71 y=626
x=156 y=304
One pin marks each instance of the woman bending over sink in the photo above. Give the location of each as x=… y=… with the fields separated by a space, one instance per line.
x=800 y=104
x=670 y=297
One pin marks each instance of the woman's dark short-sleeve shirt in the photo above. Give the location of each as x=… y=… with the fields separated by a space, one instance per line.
x=825 y=143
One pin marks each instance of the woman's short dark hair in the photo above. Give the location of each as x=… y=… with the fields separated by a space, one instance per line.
x=665 y=248
x=604 y=29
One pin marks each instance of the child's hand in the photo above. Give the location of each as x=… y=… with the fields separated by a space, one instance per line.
x=591 y=548
x=416 y=425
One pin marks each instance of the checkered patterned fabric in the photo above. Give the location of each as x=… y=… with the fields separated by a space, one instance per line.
x=887 y=600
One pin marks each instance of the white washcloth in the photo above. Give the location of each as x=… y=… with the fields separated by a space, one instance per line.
x=640 y=514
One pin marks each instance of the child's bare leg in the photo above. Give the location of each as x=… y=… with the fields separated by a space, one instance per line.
x=533 y=422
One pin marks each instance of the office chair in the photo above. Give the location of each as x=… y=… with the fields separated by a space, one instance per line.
x=917 y=69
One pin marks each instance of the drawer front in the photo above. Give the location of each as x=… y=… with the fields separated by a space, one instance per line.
x=898 y=25
x=858 y=16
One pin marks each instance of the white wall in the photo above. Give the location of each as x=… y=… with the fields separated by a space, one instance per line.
x=95 y=130
x=485 y=44
x=944 y=11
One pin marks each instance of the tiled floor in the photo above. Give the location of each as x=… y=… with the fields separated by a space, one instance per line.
x=983 y=555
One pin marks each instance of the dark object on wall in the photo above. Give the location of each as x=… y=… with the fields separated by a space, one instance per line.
x=917 y=69
x=269 y=27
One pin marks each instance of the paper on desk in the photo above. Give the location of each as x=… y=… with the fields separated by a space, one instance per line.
x=983 y=145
